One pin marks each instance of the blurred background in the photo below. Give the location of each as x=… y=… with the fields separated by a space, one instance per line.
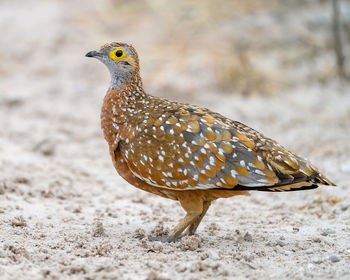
x=186 y=47
x=279 y=66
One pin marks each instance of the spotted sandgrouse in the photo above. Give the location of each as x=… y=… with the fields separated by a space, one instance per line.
x=186 y=152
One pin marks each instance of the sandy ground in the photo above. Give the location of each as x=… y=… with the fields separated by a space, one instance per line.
x=65 y=213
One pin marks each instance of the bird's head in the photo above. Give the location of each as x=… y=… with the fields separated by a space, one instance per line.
x=121 y=60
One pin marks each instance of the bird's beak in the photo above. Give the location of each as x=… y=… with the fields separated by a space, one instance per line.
x=93 y=54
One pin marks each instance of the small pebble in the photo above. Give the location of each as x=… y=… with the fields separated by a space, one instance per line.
x=97 y=229
x=155 y=276
x=45 y=147
x=204 y=256
x=247 y=237
x=18 y=221
x=327 y=231
x=155 y=247
x=193 y=267
x=181 y=267
x=309 y=251
x=334 y=258
x=310 y=266
x=190 y=243
x=316 y=260
x=139 y=233
x=248 y=258
x=280 y=243
x=316 y=239
x=213 y=255
x=344 y=206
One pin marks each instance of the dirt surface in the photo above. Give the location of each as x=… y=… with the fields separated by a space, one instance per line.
x=66 y=214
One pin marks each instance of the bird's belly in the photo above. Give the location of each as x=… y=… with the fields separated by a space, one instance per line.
x=123 y=170
x=208 y=195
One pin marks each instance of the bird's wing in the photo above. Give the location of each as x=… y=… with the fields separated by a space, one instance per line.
x=291 y=170
x=193 y=148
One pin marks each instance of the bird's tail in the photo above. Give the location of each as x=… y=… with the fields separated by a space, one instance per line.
x=310 y=184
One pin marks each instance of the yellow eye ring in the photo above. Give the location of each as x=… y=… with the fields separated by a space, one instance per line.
x=117 y=54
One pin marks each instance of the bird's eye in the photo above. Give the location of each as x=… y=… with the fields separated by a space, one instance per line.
x=117 y=54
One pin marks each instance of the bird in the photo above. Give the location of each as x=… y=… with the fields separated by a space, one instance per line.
x=186 y=152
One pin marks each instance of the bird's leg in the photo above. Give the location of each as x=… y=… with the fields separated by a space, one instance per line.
x=184 y=223
x=194 y=225
x=193 y=205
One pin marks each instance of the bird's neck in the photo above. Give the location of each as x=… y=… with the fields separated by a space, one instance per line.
x=120 y=105
x=119 y=80
x=126 y=90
